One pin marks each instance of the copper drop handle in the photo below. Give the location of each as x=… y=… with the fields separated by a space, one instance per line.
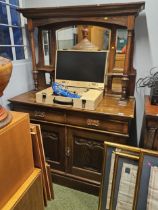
x=92 y=122
x=39 y=114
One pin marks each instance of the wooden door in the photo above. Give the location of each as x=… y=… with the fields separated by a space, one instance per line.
x=54 y=145
x=85 y=153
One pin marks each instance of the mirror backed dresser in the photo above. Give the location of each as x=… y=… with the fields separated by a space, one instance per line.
x=74 y=138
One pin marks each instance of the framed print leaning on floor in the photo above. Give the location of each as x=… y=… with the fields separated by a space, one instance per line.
x=121 y=172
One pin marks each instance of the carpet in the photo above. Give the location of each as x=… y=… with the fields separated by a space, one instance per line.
x=69 y=199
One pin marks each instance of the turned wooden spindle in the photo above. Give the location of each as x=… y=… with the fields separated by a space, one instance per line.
x=128 y=58
x=32 y=43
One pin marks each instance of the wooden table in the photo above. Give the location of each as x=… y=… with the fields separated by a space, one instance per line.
x=149 y=138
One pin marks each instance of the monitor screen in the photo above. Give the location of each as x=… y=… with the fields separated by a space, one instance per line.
x=88 y=66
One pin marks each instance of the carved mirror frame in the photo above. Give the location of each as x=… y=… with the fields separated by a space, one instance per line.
x=111 y=16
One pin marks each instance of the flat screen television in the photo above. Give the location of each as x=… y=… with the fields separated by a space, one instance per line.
x=81 y=68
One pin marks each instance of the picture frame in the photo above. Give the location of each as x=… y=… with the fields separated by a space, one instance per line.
x=149 y=161
x=126 y=158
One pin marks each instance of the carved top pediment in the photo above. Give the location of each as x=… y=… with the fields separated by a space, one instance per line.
x=84 y=11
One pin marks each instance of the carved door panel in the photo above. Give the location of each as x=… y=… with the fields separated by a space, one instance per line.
x=54 y=145
x=85 y=153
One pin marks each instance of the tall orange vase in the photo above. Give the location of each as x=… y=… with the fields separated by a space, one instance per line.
x=5 y=74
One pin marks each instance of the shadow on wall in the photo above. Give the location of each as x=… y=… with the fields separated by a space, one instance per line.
x=142 y=63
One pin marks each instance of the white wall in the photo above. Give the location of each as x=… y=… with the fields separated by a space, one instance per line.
x=152 y=21
x=146 y=40
x=21 y=80
x=142 y=63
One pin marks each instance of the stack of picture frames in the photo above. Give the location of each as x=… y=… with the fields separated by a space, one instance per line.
x=130 y=178
x=40 y=162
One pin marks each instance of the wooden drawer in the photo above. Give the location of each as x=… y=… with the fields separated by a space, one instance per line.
x=98 y=122
x=41 y=113
x=152 y=123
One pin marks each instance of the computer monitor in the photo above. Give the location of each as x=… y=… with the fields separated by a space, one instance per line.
x=81 y=68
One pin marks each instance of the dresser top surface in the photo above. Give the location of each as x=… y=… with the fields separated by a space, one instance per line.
x=151 y=110
x=108 y=106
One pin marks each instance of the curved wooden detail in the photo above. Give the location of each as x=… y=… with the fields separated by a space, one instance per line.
x=100 y=21
x=51 y=145
x=85 y=153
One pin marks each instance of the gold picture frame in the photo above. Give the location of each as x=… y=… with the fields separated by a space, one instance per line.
x=145 y=159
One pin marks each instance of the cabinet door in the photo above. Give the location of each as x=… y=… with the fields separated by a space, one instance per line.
x=54 y=144
x=85 y=153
